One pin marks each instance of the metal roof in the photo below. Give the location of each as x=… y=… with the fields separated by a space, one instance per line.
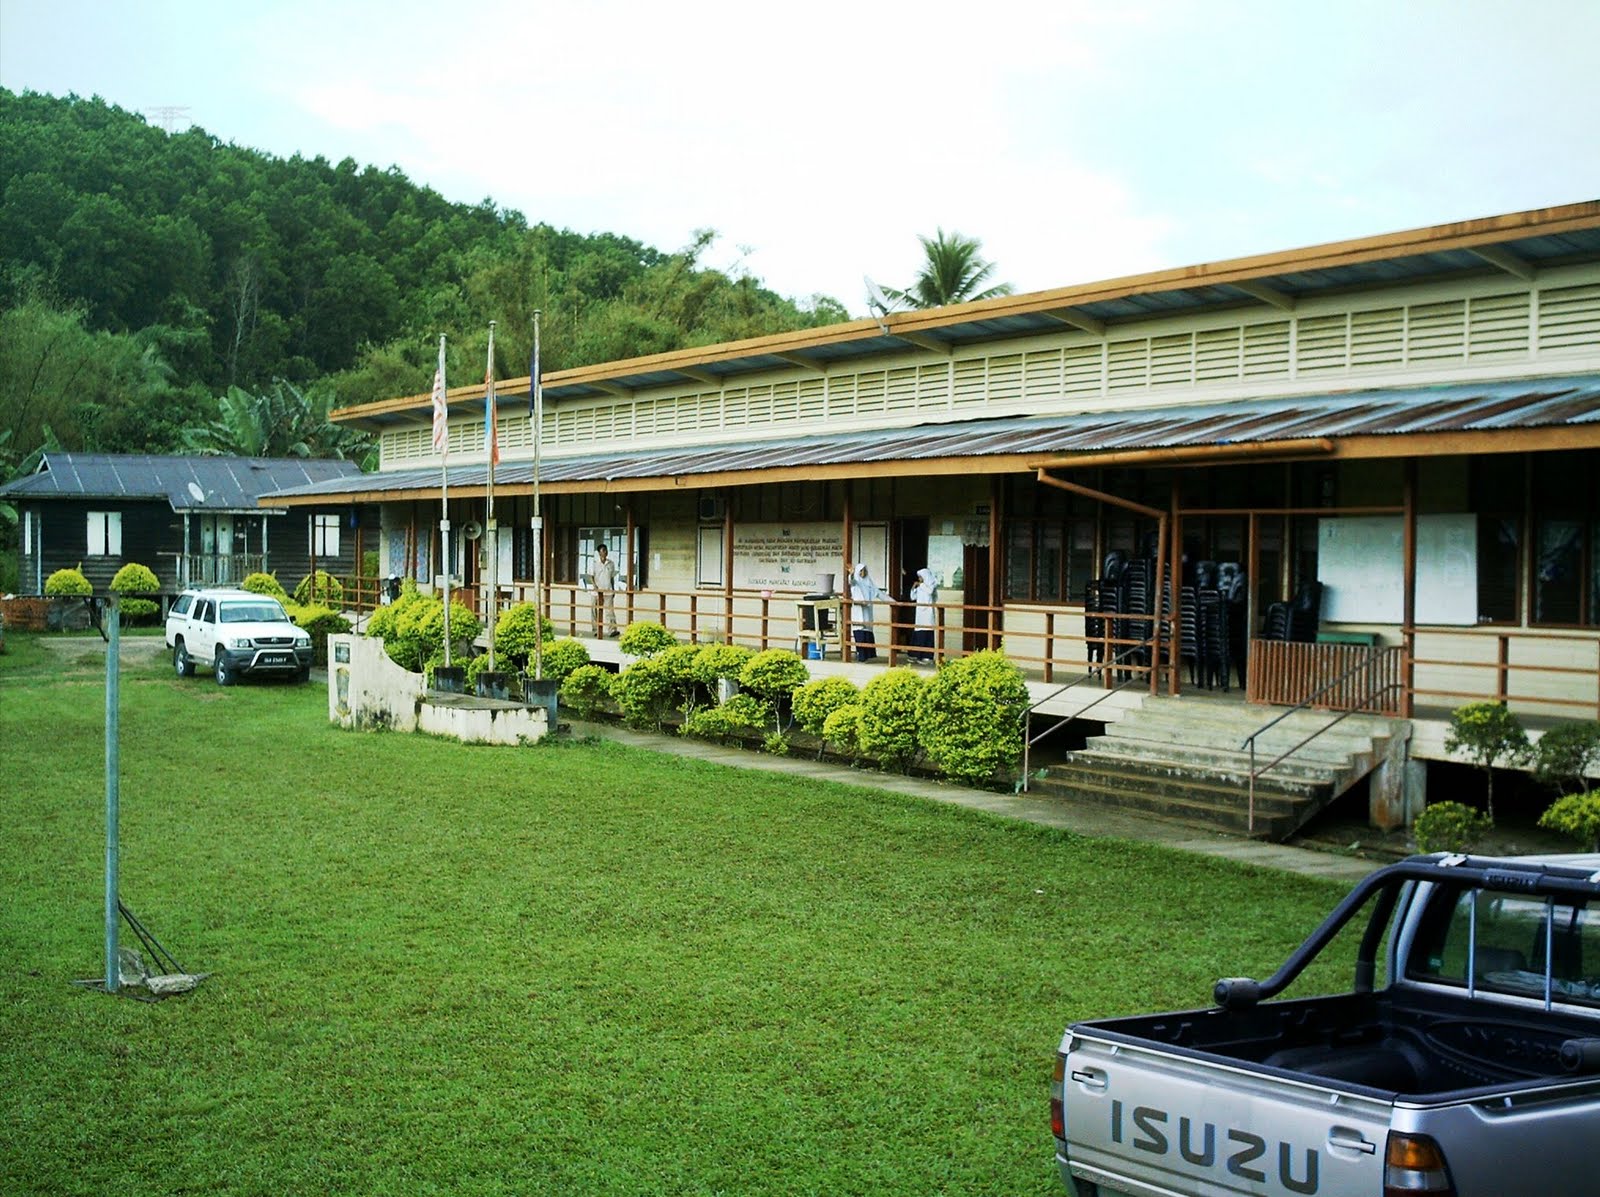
x=187 y=483
x=1520 y=243
x=1482 y=407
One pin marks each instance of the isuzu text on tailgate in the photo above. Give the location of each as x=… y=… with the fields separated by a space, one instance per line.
x=1464 y=1061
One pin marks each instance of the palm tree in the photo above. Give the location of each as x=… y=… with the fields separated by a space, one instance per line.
x=953 y=273
x=281 y=422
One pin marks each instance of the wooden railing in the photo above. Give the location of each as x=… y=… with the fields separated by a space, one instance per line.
x=1517 y=681
x=215 y=569
x=1288 y=673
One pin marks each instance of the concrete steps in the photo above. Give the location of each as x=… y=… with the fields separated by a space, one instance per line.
x=1181 y=759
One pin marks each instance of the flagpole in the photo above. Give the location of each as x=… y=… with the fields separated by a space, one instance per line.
x=536 y=414
x=491 y=447
x=441 y=442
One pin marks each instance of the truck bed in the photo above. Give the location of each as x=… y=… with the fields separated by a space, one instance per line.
x=1398 y=1041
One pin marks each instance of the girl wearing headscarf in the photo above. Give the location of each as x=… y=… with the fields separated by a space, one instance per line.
x=863 y=593
x=923 y=595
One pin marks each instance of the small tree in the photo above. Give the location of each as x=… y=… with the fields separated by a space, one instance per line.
x=890 y=704
x=587 y=689
x=1567 y=754
x=1486 y=732
x=642 y=638
x=264 y=583
x=972 y=716
x=1576 y=816
x=131 y=580
x=1450 y=827
x=68 y=582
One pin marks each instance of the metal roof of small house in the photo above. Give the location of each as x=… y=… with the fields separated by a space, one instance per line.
x=1568 y=405
x=187 y=483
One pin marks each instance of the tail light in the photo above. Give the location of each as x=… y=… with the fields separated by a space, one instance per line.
x=1414 y=1164
x=1058 y=1109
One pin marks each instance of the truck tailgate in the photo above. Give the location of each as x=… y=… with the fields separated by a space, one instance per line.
x=1156 y=1122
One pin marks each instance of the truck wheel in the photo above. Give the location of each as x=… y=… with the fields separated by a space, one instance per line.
x=304 y=675
x=181 y=664
x=225 y=674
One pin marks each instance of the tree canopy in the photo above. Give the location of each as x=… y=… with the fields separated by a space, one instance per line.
x=952 y=272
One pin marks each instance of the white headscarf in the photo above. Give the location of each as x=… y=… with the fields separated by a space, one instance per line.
x=863 y=590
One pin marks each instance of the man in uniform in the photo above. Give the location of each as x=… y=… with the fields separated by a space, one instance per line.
x=604 y=576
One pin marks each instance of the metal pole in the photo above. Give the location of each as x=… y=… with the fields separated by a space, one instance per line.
x=113 y=796
x=490 y=528
x=537 y=391
x=444 y=509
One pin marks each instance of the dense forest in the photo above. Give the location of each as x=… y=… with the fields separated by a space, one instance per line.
x=146 y=277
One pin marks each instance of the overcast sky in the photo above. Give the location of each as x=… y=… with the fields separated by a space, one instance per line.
x=1078 y=141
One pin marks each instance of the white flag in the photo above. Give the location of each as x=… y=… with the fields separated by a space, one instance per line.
x=441 y=412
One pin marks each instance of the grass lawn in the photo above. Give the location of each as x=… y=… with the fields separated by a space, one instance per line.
x=564 y=969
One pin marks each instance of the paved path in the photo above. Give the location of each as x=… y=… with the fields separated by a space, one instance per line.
x=1086 y=819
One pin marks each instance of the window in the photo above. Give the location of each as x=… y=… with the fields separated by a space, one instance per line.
x=325 y=535
x=1565 y=539
x=1049 y=560
x=105 y=534
x=28 y=518
x=181 y=607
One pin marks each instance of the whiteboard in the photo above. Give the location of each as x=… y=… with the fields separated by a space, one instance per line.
x=1361 y=564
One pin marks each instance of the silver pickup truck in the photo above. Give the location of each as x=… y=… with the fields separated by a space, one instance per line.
x=1465 y=1061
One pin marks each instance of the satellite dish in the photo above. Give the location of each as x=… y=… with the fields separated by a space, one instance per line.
x=878 y=301
x=198 y=495
x=472 y=529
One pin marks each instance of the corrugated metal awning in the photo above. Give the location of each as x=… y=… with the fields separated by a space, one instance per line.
x=1467 y=407
x=187 y=483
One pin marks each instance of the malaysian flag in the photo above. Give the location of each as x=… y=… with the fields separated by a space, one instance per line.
x=491 y=433
x=441 y=410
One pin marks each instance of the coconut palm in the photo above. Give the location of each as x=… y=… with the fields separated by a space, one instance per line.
x=953 y=273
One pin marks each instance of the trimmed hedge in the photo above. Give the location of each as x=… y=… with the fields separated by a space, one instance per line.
x=69 y=582
x=562 y=658
x=971 y=716
x=842 y=729
x=587 y=690
x=742 y=715
x=267 y=584
x=890 y=714
x=412 y=628
x=516 y=630
x=641 y=638
x=319 y=623
x=821 y=697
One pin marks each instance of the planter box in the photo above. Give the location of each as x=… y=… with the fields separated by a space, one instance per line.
x=451 y=679
x=494 y=685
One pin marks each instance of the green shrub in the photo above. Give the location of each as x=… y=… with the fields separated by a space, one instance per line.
x=773 y=675
x=1450 y=827
x=587 y=690
x=677 y=666
x=644 y=692
x=475 y=666
x=268 y=584
x=515 y=630
x=642 y=638
x=561 y=658
x=821 y=697
x=1577 y=816
x=319 y=623
x=412 y=629
x=842 y=729
x=319 y=589
x=69 y=582
x=134 y=578
x=369 y=563
x=742 y=715
x=776 y=743
x=971 y=720
x=717 y=661
x=1485 y=732
x=890 y=706
x=1567 y=754
x=137 y=610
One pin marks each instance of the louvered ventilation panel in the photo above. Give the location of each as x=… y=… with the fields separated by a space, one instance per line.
x=1569 y=318
x=1218 y=354
x=1041 y=375
x=605 y=422
x=933 y=386
x=1497 y=326
x=583 y=425
x=869 y=393
x=1128 y=364
x=1172 y=360
x=1436 y=331
x=786 y=403
x=1266 y=350
x=813 y=400
x=900 y=389
x=735 y=407
x=1081 y=369
x=1005 y=378
x=1377 y=338
x=841 y=397
x=1322 y=343
x=761 y=405
x=971 y=382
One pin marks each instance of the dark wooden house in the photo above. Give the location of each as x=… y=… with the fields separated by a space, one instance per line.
x=194 y=521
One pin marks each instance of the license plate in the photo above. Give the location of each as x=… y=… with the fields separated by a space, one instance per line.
x=275 y=659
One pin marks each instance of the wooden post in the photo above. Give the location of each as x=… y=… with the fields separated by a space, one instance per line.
x=628 y=568
x=846 y=632
x=1252 y=584
x=727 y=570
x=1175 y=637
x=1156 y=604
x=996 y=563
x=1408 y=605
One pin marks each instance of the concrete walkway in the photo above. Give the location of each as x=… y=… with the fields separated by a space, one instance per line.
x=1085 y=819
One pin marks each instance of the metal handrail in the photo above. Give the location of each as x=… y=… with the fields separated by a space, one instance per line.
x=1250 y=740
x=1029 y=741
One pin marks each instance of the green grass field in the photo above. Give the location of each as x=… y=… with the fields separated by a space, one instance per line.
x=562 y=969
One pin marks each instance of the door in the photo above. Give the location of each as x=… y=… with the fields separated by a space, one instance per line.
x=910 y=555
x=975 y=620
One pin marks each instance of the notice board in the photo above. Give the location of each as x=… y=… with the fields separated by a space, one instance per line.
x=1361 y=564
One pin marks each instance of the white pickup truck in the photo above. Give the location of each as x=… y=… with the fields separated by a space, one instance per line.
x=1465 y=1061
x=234 y=633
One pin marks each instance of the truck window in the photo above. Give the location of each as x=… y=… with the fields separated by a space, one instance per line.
x=181 y=607
x=1513 y=933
